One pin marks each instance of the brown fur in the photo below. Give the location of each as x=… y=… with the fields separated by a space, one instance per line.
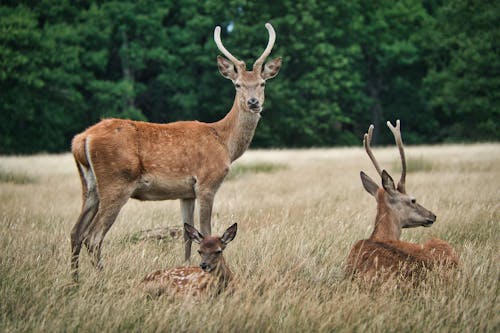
x=119 y=159
x=383 y=254
x=195 y=281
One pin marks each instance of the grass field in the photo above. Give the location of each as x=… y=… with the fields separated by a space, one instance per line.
x=298 y=213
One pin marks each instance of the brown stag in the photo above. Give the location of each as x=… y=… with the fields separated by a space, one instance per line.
x=383 y=254
x=120 y=159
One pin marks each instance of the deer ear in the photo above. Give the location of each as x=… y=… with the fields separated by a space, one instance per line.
x=192 y=233
x=388 y=183
x=229 y=234
x=368 y=183
x=227 y=68
x=271 y=68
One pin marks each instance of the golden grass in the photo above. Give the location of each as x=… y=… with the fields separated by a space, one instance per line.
x=296 y=226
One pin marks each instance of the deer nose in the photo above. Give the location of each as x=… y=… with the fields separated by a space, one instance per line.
x=203 y=266
x=253 y=102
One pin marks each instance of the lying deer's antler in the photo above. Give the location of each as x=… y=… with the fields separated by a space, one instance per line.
x=396 y=131
x=366 y=142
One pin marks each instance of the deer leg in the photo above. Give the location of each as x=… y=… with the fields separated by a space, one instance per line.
x=89 y=210
x=104 y=219
x=90 y=206
x=187 y=210
x=206 y=201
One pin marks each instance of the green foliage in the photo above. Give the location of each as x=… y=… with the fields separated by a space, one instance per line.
x=434 y=65
x=463 y=81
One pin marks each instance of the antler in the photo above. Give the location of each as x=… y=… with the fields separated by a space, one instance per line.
x=396 y=131
x=257 y=66
x=224 y=51
x=366 y=142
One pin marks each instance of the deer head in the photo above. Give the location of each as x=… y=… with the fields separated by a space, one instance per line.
x=211 y=247
x=249 y=84
x=408 y=212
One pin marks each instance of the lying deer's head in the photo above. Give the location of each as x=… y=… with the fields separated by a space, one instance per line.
x=211 y=247
x=409 y=213
x=249 y=84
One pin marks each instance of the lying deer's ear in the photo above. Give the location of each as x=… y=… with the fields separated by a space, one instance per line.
x=388 y=183
x=229 y=234
x=192 y=233
x=271 y=68
x=368 y=183
x=227 y=68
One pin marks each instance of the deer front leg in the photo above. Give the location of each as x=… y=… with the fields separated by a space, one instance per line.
x=206 y=201
x=187 y=211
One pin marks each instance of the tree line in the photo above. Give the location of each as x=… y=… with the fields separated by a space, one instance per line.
x=433 y=64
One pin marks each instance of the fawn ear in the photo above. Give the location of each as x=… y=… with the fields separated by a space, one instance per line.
x=192 y=233
x=229 y=234
x=368 y=183
x=388 y=183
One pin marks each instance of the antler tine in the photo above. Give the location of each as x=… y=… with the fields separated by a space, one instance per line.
x=396 y=131
x=367 y=139
x=257 y=66
x=224 y=51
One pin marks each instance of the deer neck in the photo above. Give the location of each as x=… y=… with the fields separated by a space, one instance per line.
x=387 y=225
x=223 y=274
x=237 y=129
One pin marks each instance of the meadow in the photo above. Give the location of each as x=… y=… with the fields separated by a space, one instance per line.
x=298 y=214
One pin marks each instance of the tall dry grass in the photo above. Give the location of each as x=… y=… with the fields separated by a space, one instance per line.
x=297 y=223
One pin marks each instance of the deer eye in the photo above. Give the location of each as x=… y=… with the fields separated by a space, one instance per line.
x=263 y=84
x=199 y=252
x=237 y=85
x=413 y=200
x=218 y=252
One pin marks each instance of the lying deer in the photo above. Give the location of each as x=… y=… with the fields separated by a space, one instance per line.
x=383 y=254
x=213 y=274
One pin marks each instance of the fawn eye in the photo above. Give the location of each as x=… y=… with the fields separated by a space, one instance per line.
x=218 y=252
x=199 y=252
x=413 y=200
x=263 y=84
x=237 y=85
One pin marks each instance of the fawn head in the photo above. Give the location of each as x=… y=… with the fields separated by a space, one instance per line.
x=211 y=247
x=405 y=207
x=249 y=84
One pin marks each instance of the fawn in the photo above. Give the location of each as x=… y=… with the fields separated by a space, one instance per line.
x=213 y=274
x=383 y=254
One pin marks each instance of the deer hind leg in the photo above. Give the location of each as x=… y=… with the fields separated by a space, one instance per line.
x=187 y=210
x=109 y=208
x=89 y=209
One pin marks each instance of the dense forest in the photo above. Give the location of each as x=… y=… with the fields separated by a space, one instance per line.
x=434 y=64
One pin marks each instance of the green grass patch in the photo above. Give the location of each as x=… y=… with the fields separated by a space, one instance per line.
x=240 y=170
x=15 y=177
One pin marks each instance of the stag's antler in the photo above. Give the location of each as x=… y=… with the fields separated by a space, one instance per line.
x=224 y=51
x=257 y=66
x=396 y=131
x=366 y=142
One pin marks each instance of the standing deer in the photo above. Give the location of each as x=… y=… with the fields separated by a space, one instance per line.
x=120 y=159
x=383 y=253
x=213 y=274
